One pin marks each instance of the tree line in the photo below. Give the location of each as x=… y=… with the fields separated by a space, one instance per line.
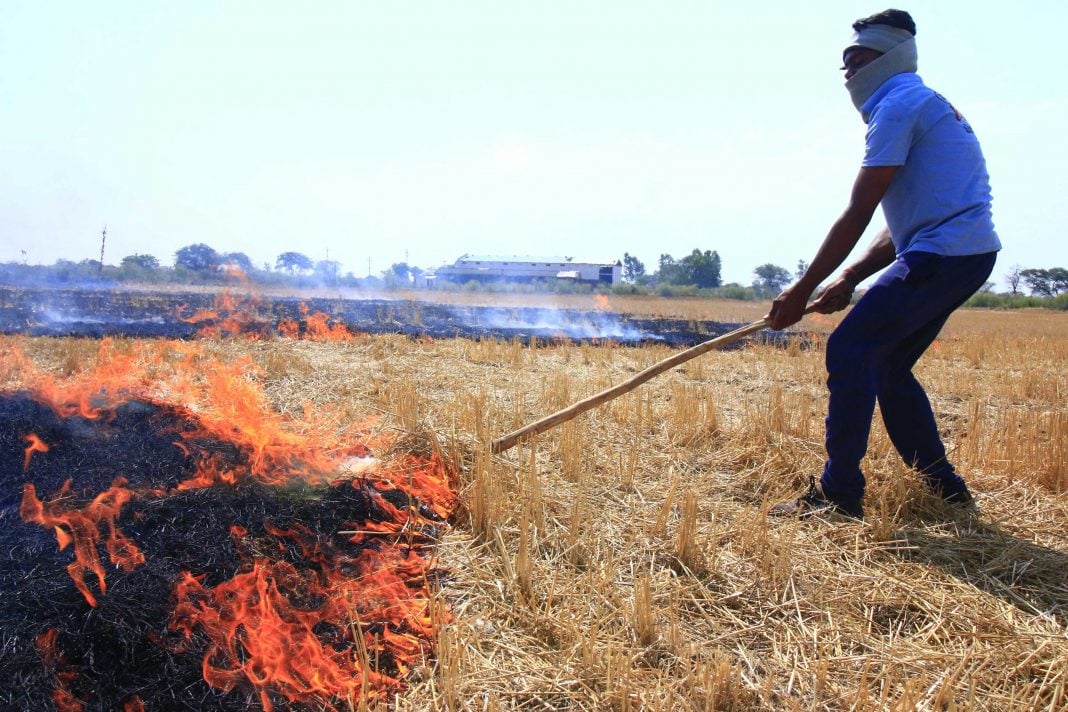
x=696 y=274
x=703 y=270
x=200 y=263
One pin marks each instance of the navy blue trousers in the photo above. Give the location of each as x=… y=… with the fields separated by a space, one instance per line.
x=870 y=358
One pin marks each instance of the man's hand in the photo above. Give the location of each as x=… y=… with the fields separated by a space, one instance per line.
x=836 y=295
x=788 y=308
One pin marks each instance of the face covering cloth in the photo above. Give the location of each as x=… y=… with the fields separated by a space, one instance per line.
x=900 y=58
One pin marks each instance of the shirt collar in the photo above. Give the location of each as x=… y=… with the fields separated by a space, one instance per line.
x=898 y=80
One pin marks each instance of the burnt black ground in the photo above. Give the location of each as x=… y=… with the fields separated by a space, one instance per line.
x=123 y=647
x=99 y=312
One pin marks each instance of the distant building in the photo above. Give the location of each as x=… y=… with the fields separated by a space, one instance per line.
x=525 y=269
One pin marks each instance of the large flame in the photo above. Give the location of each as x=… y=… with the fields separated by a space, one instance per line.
x=247 y=316
x=346 y=625
x=82 y=528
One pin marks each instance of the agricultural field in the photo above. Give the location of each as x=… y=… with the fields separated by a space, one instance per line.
x=624 y=559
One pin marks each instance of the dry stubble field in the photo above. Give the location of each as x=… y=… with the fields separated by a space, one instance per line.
x=624 y=560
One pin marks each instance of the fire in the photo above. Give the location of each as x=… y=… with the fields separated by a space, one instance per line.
x=258 y=636
x=822 y=321
x=319 y=328
x=246 y=316
x=35 y=445
x=600 y=302
x=309 y=616
x=232 y=270
x=82 y=528
x=262 y=628
x=64 y=673
x=231 y=315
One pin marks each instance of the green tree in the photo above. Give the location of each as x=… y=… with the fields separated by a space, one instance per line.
x=144 y=263
x=1059 y=279
x=197 y=258
x=701 y=269
x=1046 y=282
x=633 y=268
x=399 y=271
x=239 y=259
x=668 y=270
x=770 y=279
x=293 y=262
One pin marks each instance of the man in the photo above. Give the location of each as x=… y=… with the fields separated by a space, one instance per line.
x=924 y=164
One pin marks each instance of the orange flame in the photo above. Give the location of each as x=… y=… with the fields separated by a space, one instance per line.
x=234 y=271
x=35 y=445
x=319 y=329
x=82 y=528
x=52 y=657
x=600 y=302
x=266 y=626
x=822 y=321
x=231 y=315
x=259 y=635
x=242 y=315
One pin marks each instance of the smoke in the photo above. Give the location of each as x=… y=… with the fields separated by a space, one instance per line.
x=556 y=323
x=182 y=314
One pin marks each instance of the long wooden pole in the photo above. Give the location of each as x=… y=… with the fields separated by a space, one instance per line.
x=509 y=441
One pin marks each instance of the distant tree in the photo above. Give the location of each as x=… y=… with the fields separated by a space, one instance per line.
x=667 y=270
x=398 y=271
x=802 y=267
x=1046 y=282
x=293 y=262
x=633 y=268
x=1059 y=279
x=147 y=263
x=239 y=259
x=770 y=279
x=701 y=269
x=327 y=271
x=197 y=258
x=1012 y=278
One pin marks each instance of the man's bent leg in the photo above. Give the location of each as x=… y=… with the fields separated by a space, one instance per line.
x=936 y=287
x=852 y=351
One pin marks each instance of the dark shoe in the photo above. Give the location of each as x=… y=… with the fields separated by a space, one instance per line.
x=815 y=502
x=955 y=494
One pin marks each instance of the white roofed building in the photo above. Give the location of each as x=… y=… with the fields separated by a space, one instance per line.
x=498 y=268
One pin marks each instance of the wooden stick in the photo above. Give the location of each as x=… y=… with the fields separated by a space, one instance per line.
x=509 y=441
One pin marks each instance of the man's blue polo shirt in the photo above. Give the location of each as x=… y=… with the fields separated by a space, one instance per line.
x=939 y=199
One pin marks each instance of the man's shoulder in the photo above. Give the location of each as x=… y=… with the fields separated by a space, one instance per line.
x=904 y=97
x=906 y=89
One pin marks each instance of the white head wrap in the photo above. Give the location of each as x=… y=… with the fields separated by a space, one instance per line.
x=898 y=49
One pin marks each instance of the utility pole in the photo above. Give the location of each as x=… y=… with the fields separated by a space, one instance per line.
x=103 y=239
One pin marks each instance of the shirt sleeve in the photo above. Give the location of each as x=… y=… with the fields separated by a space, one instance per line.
x=889 y=136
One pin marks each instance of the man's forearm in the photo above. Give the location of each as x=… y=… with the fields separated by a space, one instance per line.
x=879 y=254
x=868 y=189
x=840 y=241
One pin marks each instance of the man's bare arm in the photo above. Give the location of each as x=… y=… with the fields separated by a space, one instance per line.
x=868 y=189
x=837 y=295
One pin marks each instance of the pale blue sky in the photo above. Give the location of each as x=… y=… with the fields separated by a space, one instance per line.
x=385 y=131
